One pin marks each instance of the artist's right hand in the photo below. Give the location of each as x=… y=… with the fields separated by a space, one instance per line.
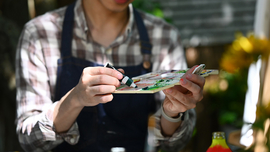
x=96 y=85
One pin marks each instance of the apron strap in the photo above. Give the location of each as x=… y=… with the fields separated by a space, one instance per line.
x=146 y=46
x=67 y=32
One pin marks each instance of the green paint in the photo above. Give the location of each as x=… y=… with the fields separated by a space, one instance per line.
x=182 y=71
x=159 y=83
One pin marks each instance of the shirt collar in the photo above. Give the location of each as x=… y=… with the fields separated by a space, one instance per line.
x=79 y=16
x=131 y=19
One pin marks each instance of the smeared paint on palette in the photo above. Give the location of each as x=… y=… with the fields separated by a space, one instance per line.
x=156 y=81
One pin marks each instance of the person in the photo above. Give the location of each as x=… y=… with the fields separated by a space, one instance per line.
x=65 y=99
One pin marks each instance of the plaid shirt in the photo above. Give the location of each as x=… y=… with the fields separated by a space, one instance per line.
x=36 y=61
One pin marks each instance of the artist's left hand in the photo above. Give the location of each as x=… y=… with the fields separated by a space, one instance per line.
x=181 y=98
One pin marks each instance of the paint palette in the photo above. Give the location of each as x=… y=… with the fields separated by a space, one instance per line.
x=156 y=81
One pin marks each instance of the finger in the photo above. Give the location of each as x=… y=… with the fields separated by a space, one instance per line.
x=189 y=85
x=179 y=105
x=102 y=89
x=103 y=80
x=192 y=69
x=121 y=70
x=185 y=99
x=102 y=71
x=195 y=89
x=199 y=80
x=103 y=98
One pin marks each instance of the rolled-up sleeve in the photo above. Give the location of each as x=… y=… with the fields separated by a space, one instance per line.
x=36 y=132
x=181 y=136
x=34 y=97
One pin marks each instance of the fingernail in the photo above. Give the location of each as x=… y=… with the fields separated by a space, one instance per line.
x=183 y=81
x=119 y=75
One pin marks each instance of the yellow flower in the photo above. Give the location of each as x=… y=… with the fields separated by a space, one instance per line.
x=245 y=44
x=243 y=51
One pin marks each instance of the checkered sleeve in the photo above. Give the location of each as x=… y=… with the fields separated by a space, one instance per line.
x=34 y=104
x=181 y=136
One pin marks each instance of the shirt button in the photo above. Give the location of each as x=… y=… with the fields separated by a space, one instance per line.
x=72 y=140
x=146 y=64
x=109 y=51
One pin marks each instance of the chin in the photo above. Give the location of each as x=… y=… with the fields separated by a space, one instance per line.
x=122 y=1
x=116 y=5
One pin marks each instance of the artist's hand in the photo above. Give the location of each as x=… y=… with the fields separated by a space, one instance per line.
x=182 y=97
x=96 y=85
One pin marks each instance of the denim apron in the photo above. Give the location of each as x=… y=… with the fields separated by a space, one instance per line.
x=119 y=123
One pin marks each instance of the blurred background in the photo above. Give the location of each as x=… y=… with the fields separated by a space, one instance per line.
x=207 y=28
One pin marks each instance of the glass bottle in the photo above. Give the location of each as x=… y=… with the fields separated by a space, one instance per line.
x=218 y=143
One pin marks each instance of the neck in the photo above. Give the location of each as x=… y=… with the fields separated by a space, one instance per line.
x=106 y=22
